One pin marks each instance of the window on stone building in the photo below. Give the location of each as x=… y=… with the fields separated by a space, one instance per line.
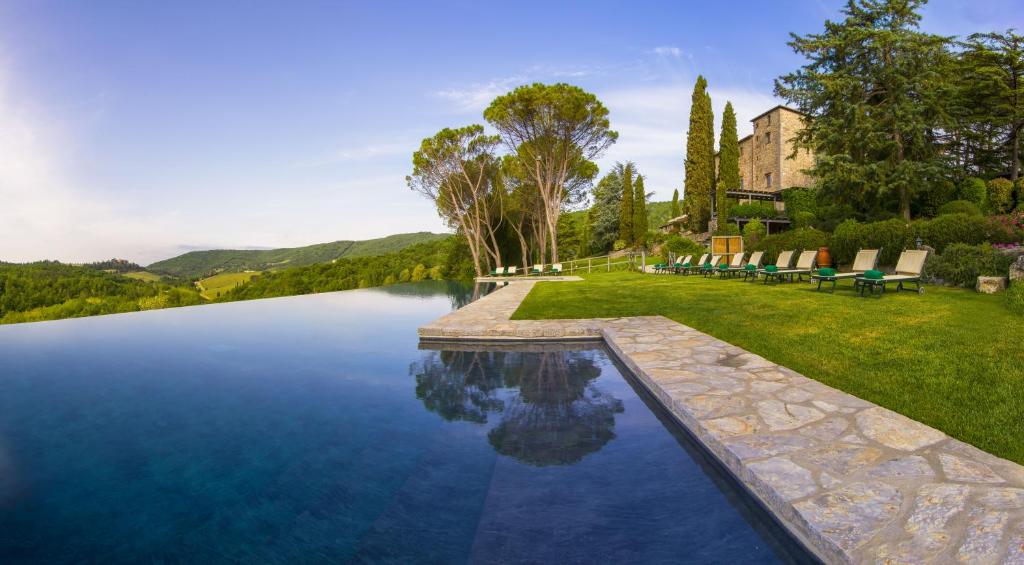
x=768 y=137
x=769 y=119
x=768 y=180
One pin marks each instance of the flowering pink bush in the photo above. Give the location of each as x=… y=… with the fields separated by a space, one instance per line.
x=1007 y=229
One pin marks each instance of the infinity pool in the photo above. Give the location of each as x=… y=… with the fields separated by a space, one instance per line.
x=318 y=429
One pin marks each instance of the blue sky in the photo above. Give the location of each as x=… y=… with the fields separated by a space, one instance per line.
x=143 y=129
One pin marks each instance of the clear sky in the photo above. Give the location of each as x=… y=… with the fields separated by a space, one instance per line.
x=144 y=129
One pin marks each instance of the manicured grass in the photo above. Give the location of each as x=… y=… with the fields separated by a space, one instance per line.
x=143 y=276
x=952 y=358
x=212 y=287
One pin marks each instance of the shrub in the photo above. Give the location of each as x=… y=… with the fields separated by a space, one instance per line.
x=973 y=190
x=728 y=229
x=945 y=230
x=803 y=239
x=1006 y=228
x=1019 y=189
x=1015 y=298
x=753 y=233
x=829 y=217
x=681 y=246
x=804 y=219
x=1000 y=196
x=891 y=236
x=619 y=245
x=800 y=200
x=753 y=210
x=961 y=264
x=960 y=207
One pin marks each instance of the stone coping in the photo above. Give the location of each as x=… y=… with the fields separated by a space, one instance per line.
x=853 y=481
x=533 y=278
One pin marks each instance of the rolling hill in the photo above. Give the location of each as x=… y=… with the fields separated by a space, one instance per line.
x=196 y=264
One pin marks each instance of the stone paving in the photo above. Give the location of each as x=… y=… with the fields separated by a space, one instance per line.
x=856 y=483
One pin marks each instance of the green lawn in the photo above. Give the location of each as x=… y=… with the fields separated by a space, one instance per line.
x=143 y=276
x=212 y=287
x=951 y=358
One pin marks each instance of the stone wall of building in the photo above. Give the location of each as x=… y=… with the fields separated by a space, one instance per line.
x=746 y=161
x=765 y=142
x=792 y=168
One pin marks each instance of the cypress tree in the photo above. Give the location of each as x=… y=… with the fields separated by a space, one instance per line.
x=728 y=159
x=675 y=204
x=626 y=213
x=700 y=155
x=640 y=213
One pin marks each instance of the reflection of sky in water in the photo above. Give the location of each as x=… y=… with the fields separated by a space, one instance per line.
x=299 y=429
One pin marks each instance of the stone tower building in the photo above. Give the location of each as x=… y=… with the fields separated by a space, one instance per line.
x=765 y=162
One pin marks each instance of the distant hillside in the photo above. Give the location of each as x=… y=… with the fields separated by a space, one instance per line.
x=204 y=263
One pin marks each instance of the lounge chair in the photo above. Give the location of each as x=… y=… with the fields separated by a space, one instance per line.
x=537 y=269
x=866 y=260
x=709 y=267
x=687 y=268
x=754 y=263
x=511 y=271
x=734 y=266
x=804 y=266
x=908 y=270
x=499 y=272
x=556 y=269
x=681 y=262
x=752 y=267
x=783 y=262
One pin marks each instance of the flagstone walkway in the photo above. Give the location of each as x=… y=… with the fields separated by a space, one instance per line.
x=856 y=483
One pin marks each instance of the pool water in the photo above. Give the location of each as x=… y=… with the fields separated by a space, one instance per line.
x=318 y=429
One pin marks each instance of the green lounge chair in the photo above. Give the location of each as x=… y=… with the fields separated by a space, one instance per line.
x=537 y=269
x=784 y=261
x=804 y=266
x=709 y=268
x=511 y=271
x=680 y=263
x=753 y=265
x=556 y=269
x=734 y=266
x=499 y=272
x=866 y=260
x=908 y=270
x=694 y=267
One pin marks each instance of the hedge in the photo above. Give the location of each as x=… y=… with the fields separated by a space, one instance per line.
x=961 y=264
x=801 y=239
x=1000 y=196
x=800 y=200
x=973 y=189
x=960 y=207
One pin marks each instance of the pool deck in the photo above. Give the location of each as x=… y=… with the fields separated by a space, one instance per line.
x=855 y=482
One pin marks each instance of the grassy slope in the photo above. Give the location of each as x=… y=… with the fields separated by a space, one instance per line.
x=143 y=276
x=951 y=358
x=199 y=263
x=212 y=287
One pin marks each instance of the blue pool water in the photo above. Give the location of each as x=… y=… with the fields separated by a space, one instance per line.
x=318 y=429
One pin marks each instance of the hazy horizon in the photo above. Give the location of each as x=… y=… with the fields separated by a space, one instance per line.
x=138 y=130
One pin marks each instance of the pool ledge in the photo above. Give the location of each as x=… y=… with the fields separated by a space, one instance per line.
x=853 y=481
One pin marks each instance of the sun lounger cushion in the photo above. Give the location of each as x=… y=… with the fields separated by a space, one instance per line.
x=827 y=272
x=874 y=275
x=750 y=267
x=771 y=269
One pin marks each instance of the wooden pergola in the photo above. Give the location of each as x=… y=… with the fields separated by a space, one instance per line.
x=780 y=224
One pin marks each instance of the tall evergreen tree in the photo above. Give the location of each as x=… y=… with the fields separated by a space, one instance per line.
x=728 y=159
x=874 y=89
x=626 y=210
x=700 y=156
x=639 y=213
x=675 y=204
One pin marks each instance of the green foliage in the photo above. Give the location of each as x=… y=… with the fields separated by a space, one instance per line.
x=196 y=264
x=960 y=207
x=448 y=258
x=1019 y=189
x=891 y=236
x=753 y=232
x=676 y=211
x=798 y=239
x=605 y=214
x=804 y=219
x=937 y=195
x=728 y=158
x=798 y=200
x=212 y=287
x=874 y=83
x=639 y=213
x=120 y=266
x=728 y=229
x=49 y=290
x=973 y=190
x=619 y=245
x=946 y=230
x=626 y=173
x=1015 y=298
x=961 y=264
x=700 y=157
x=681 y=247
x=756 y=209
x=1000 y=196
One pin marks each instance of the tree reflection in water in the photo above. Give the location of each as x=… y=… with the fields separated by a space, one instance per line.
x=549 y=410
